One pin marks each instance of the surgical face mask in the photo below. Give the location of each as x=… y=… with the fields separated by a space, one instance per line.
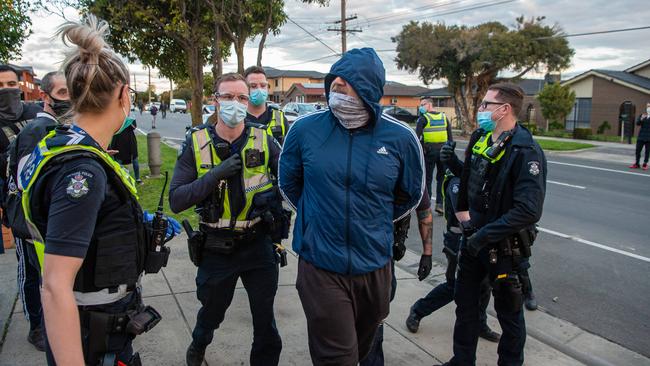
x=128 y=121
x=647 y=110
x=350 y=111
x=258 y=96
x=59 y=106
x=422 y=110
x=232 y=113
x=11 y=107
x=485 y=121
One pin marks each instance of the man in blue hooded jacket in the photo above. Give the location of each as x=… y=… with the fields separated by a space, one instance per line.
x=348 y=171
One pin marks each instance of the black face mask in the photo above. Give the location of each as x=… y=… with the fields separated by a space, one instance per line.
x=60 y=107
x=11 y=107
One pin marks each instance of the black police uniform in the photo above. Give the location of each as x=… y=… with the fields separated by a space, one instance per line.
x=28 y=274
x=503 y=200
x=82 y=209
x=253 y=260
x=263 y=121
x=14 y=218
x=443 y=294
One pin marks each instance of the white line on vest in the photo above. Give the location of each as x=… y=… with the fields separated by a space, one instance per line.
x=594 y=244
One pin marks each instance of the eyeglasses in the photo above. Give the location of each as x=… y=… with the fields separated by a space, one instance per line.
x=242 y=98
x=485 y=104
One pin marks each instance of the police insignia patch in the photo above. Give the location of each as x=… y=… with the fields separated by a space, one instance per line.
x=533 y=167
x=78 y=185
x=454 y=189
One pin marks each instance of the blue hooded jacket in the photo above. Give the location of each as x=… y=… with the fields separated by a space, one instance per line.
x=343 y=183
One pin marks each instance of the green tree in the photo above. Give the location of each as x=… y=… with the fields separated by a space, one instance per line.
x=556 y=101
x=15 y=27
x=471 y=58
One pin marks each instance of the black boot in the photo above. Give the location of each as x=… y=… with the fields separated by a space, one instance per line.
x=489 y=335
x=529 y=301
x=413 y=321
x=37 y=338
x=194 y=355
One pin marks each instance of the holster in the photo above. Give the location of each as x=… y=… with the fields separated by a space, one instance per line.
x=156 y=260
x=195 y=241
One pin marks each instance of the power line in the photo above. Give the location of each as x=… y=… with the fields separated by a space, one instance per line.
x=596 y=32
x=392 y=16
x=308 y=61
x=308 y=32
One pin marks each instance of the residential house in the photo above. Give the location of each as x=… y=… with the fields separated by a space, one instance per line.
x=28 y=84
x=617 y=97
x=403 y=96
x=306 y=93
x=280 y=81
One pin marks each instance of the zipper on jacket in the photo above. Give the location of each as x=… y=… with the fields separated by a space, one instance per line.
x=347 y=202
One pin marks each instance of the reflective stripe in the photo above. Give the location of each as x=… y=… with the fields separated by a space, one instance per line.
x=225 y=224
x=481 y=148
x=277 y=117
x=435 y=131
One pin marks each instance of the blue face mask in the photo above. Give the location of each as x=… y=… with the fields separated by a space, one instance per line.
x=232 y=113
x=485 y=121
x=422 y=110
x=258 y=96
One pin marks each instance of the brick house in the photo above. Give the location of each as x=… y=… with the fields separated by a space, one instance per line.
x=281 y=81
x=617 y=97
x=306 y=93
x=403 y=96
x=28 y=83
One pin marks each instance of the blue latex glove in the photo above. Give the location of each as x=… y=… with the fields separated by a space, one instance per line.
x=173 y=226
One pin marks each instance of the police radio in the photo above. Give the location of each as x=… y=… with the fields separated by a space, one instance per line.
x=223 y=150
x=498 y=146
x=158 y=253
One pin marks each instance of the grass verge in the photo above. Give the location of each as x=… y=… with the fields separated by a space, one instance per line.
x=149 y=191
x=553 y=145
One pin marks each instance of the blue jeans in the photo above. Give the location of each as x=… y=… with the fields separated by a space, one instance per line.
x=217 y=276
x=508 y=305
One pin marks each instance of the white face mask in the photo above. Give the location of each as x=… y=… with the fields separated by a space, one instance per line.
x=232 y=113
x=350 y=111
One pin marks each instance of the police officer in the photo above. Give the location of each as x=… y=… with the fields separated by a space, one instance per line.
x=501 y=195
x=14 y=115
x=443 y=294
x=228 y=171
x=81 y=209
x=272 y=119
x=54 y=93
x=433 y=130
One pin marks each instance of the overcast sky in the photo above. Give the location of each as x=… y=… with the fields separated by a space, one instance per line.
x=379 y=20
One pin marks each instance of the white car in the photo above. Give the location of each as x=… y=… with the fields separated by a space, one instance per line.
x=178 y=105
x=208 y=110
x=294 y=110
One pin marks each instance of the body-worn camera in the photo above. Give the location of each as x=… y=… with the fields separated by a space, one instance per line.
x=254 y=158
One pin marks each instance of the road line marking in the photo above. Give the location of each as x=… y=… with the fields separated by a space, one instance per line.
x=565 y=184
x=598 y=168
x=594 y=244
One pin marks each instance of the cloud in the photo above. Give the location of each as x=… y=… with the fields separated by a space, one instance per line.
x=380 y=20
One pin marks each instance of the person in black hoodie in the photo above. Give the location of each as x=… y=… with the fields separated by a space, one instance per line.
x=643 y=140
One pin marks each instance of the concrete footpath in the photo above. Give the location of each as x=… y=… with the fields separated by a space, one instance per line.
x=172 y=292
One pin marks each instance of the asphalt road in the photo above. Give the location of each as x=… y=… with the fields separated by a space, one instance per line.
x=591 y=262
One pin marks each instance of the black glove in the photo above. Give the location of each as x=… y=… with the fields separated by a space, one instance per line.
x=399 y=249
x=425 y=267
x=474 y=244
x=227 y=168
x=446 y=153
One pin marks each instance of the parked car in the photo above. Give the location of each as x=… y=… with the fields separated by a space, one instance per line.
x=178 y=105
x=294 y=110
x=400 y=114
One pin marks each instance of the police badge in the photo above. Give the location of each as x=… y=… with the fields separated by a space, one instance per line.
x=78 y=186
x=533 y=168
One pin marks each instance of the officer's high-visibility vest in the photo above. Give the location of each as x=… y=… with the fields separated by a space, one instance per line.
x=276 y=127
x=481 y=147
x=41 y=156
x=256 y=179
x=435 y=131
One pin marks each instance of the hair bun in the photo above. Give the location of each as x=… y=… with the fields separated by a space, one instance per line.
x=87 y=36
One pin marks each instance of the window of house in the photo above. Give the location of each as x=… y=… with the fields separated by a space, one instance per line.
x=277 y=83
x=580 y=116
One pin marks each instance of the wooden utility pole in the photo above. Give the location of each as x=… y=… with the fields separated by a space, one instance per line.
x=344 y=29
x=171 y=91
x=149 y=87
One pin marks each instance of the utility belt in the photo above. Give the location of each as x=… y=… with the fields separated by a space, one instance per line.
x=102 y=326
x=519 y=245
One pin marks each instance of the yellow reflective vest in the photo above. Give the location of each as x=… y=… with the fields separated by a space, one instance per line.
x=435 y=131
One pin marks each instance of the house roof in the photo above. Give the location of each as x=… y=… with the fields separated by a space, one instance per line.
x=395 y=89
x=28 y=69
x=530 y=87
x=308 y=89
x=275 y=73
x=638 y=67
x=624 y=78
